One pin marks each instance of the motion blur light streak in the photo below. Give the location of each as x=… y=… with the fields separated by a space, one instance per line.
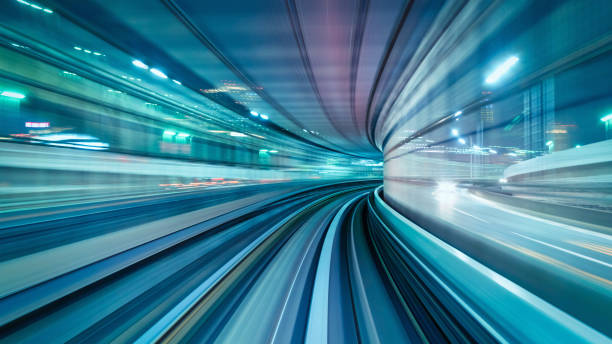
x=501 y=70
x=158 y=73
x=140 y=64
x=11 y=94
x=306 y=171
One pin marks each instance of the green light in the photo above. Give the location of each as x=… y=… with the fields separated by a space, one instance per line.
x=606 y=118
x=11 y=94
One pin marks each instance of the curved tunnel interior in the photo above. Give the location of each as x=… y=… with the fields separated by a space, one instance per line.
x=342 y=171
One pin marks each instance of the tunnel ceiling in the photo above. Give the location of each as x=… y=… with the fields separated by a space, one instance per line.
x=316 y=68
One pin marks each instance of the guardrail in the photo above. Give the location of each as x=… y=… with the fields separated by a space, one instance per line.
x=508 y=312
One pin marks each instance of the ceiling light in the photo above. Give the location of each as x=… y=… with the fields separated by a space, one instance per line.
x=159 y=73
x=265 y=117
x=140 y=64
x=253 y=113
x=11 y=94
x=501 y=70
x=176 y=82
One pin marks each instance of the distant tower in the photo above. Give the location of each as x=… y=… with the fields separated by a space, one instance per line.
x=539 y=116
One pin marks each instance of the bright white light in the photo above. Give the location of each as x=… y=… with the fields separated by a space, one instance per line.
x=501 y=70
x=159 y=73
x=182 y=135
x=578 y=146
x=458 y=113
x=264 y=116
x=97 y=53
x=87 y=51
x=446 y=194
x=78 y=48
x=176 y=82
x=169 y=133
x=237 y=134
x=476 y=147
x=11 y=94
x=455 y=132
x=48 y=10
x=503 y=180
x=446 y=186
x=36 y=7
x=462 y=141
x=273 y=151
x=549 y=143
x=492 y=151
x=23 y=2
x=140 y=64
x=254 y=113
x=263 y=150
x=606 y=118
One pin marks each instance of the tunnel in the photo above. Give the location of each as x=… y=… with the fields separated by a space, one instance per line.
x=306 y=171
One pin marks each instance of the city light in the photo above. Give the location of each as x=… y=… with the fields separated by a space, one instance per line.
x=158 y=73
x=35 y=6
x=254 y=113
x=140 y=64
x=37 y=124
x=501 y=70
x=455 y=132
x=606 y=118
x=11 y=94
x=462 y=141
x=176 y=82
x=265 y=117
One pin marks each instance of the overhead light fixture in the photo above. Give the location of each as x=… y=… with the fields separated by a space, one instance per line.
x=501 y=70
x=237 y=134
x=182 y=135
x=158 y=73
x=264 y=116
x=457 y=114
x=169 y=133
x=462 y=141
x=254 y=113
x=273 y=151
x=140 y=64
x=78 y=48
x=455 y=132
x=176 y=82
x=549 y=143
x=606 y=118
x=11 y=94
